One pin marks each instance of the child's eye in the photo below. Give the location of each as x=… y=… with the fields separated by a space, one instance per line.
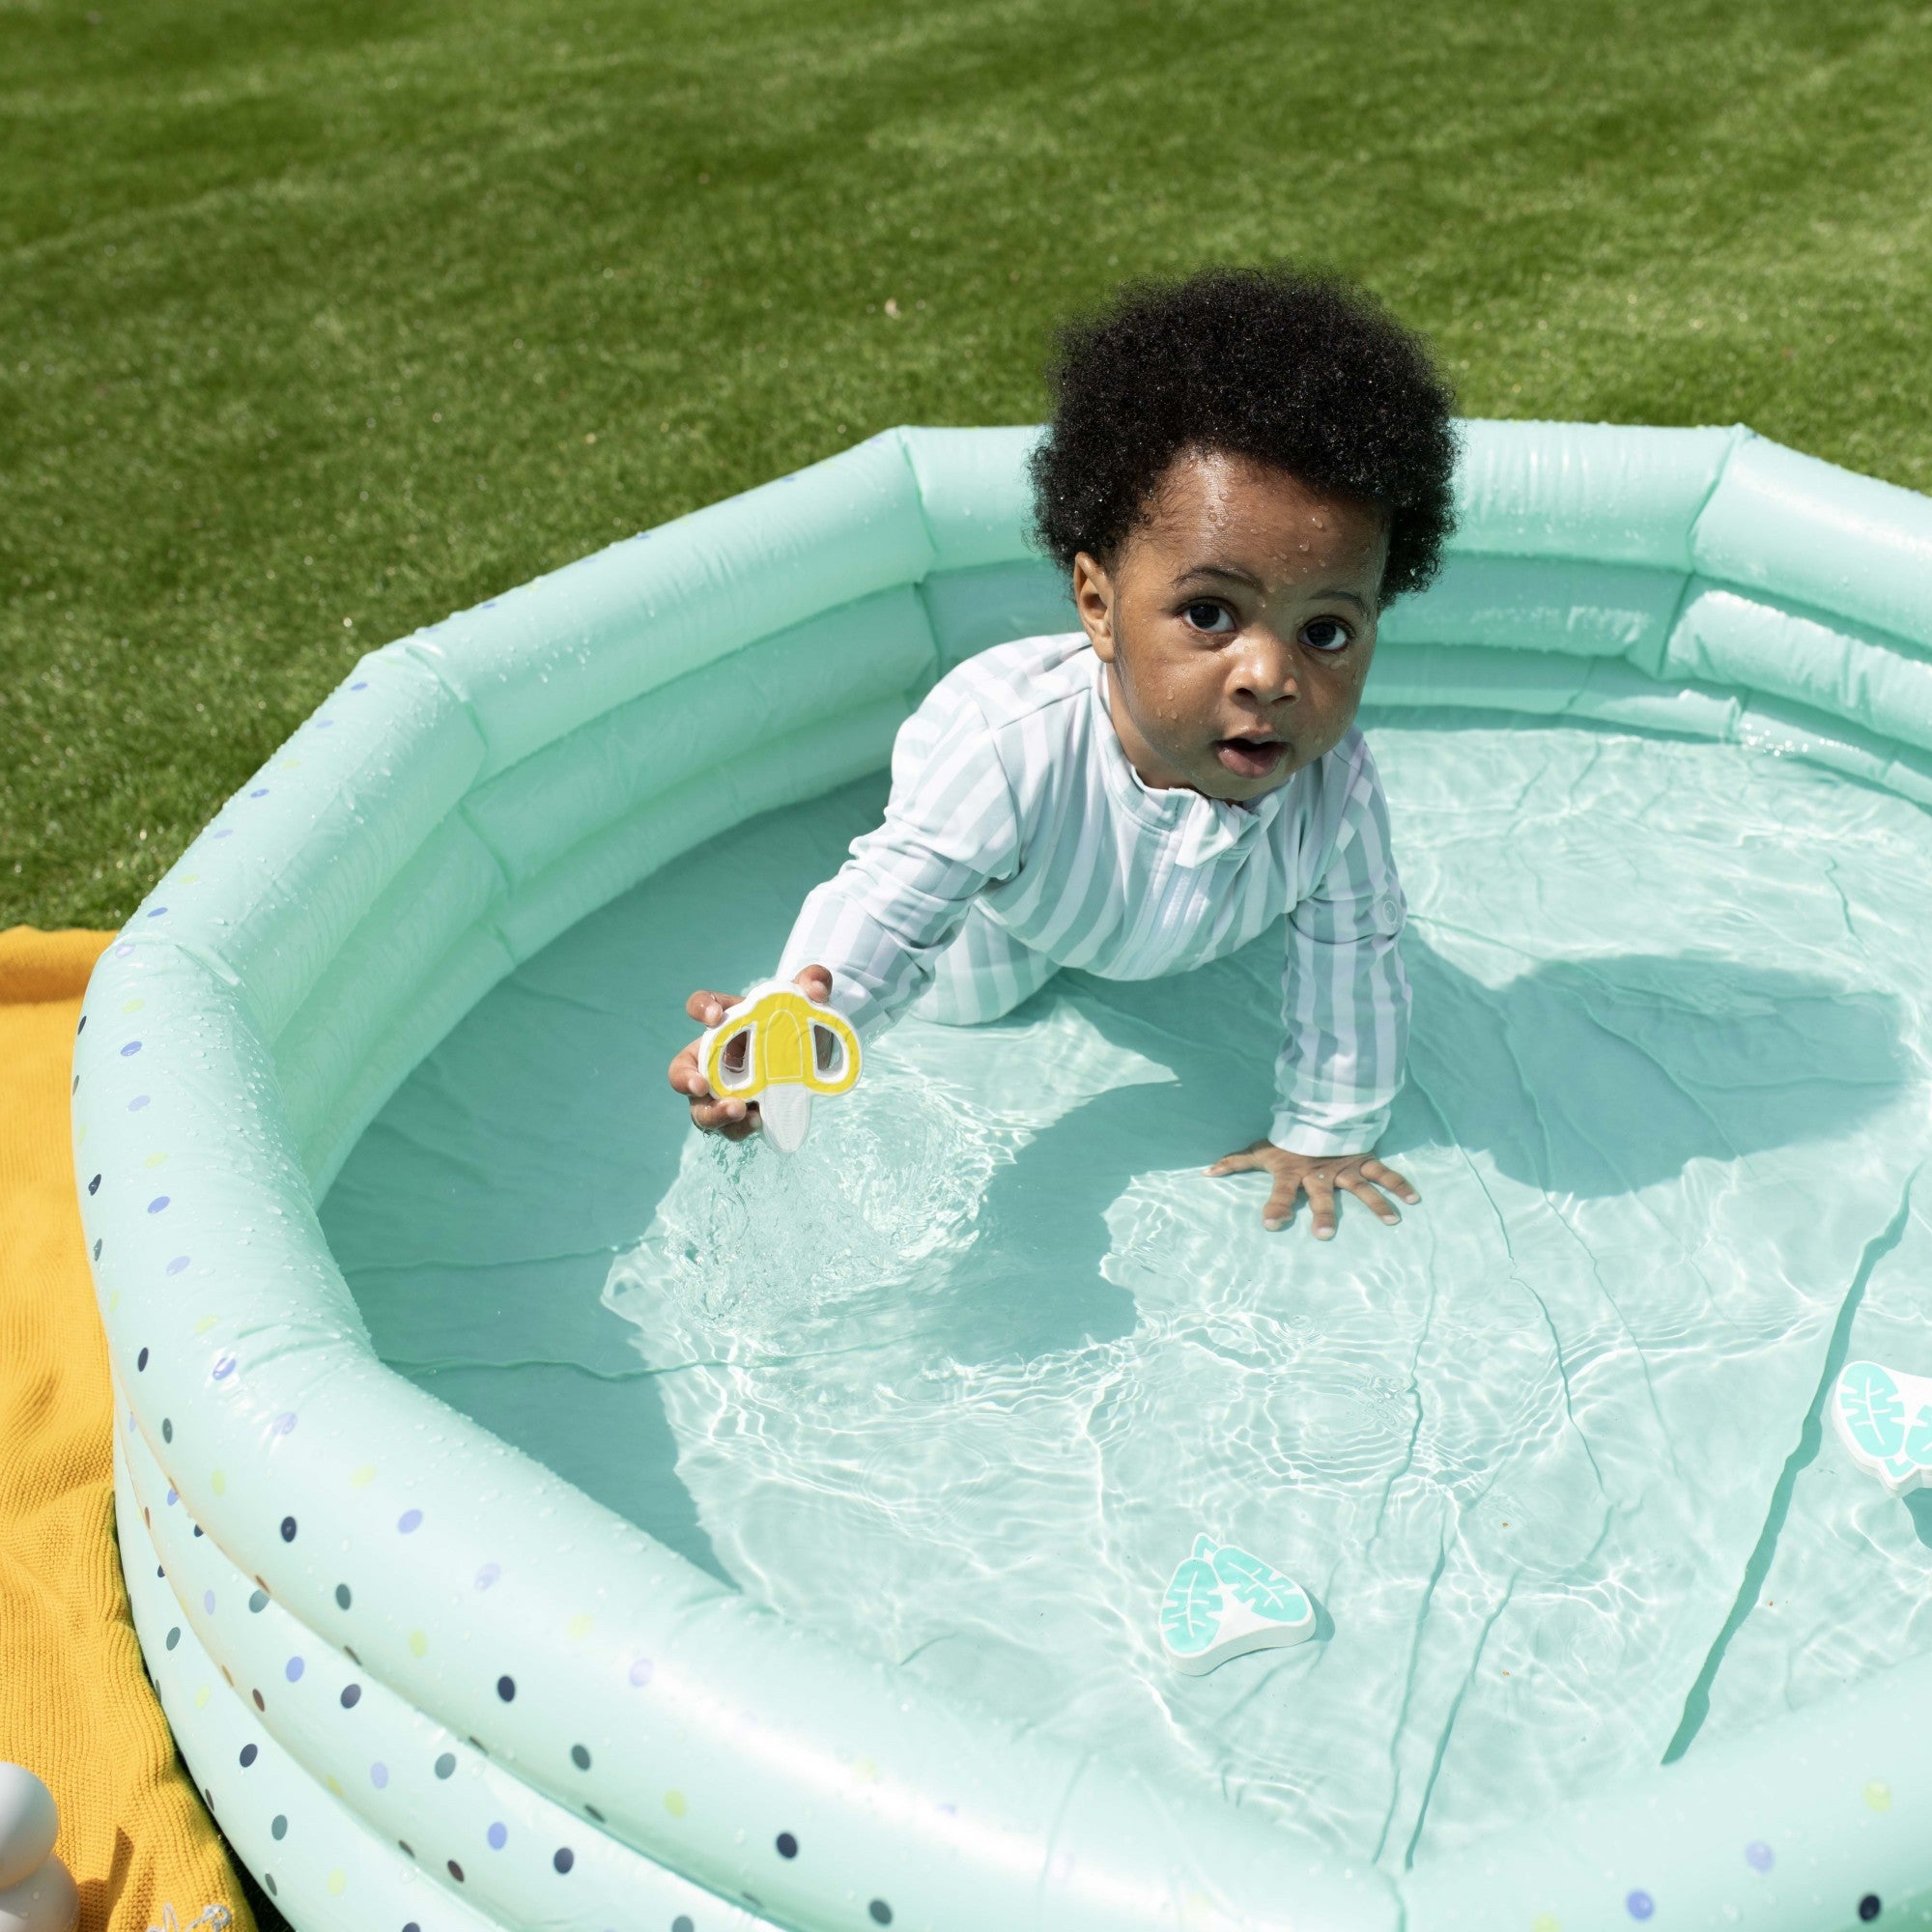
x=1325 y=633
x=1214 y=618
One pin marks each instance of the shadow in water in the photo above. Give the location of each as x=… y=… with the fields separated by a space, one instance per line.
x=1581 y=1078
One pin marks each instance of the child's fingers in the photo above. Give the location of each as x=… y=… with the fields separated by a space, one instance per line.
x=1242 y=1162
x=730 y=1118
x=1282 y=1197
x=684 y=1076
x=707 y=1008
x=1359 y=1185
x=1387 y=1177
x=1321 y=1204
x=815 y=982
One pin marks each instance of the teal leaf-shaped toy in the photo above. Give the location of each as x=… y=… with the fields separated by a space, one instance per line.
x=1265 y=1590
x=1222 y=1602
x=1884 y=1417
x=1190 y=1613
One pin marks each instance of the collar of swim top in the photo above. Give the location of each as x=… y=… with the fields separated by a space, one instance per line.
x=1202 y=827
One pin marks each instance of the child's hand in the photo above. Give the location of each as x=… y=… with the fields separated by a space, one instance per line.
x=733 y=1119
x=1318 y=1176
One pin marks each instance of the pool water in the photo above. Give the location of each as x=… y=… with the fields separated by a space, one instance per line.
x=958 y=1385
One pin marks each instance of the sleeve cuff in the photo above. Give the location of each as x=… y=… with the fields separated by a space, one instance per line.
x=1295 y=1135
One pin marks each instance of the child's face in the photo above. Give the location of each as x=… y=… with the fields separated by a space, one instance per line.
x=1238 y=621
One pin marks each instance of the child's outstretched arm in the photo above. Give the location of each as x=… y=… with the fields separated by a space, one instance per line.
x=865 y=941
x=1345 y=1013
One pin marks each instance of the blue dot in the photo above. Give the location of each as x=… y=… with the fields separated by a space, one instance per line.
x=207 y=1602
x=293 y=1669
x=379 y=1776
x=173 y=1496
x=1757 y=1854
x=157 y=912
x=262 y=792
x=363 y=685
x=1639 y=1905
x=324 y=724
x=224 y=1363
x=129 y=1051
x=409 y=1519
x=499 y=1837
x=176 y=1265
x=139 y=1101
x=226 y=832
x=156 y=1206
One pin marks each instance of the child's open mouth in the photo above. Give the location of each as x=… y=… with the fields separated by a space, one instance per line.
x=1250 y=757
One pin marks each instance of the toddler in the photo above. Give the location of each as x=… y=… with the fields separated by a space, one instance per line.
x=1242 y=469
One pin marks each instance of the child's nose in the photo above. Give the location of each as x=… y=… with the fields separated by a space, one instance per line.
x=1265 y=672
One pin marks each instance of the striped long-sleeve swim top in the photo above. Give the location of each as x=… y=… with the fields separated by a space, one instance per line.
x=1018 y=839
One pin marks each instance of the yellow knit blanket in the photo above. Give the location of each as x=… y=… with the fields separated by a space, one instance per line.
x=75 y=1706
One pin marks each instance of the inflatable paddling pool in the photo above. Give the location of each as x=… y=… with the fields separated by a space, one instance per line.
x=425 y=1681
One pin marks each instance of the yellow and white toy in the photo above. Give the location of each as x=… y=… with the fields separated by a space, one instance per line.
x=779 y=1048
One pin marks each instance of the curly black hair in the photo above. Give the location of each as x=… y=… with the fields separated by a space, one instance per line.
x=1304 y=371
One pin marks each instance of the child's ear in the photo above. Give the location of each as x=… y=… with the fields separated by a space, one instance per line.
x=1093 y=600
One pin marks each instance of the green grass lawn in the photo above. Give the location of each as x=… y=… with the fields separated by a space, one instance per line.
x=318 y=321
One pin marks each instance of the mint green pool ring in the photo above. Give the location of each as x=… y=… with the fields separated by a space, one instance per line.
x=426 y=1683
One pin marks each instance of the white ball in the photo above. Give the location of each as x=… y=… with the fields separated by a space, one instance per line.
x=47 y=1902
x=28 y=1826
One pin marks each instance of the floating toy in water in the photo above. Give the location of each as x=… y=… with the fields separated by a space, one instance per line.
x=1885 y=1418
x=779 y=1048
x=1224 y=1602
x=36 y=1891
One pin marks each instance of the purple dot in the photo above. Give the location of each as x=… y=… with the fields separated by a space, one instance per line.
x=139 y=1101
x=224 y=1366
x=157 y=912
x=261 y=791
x=293 y=1669
x=324 y=724
x=176 y=1265
x=490 y=603
x=122 y=951
x=409 y=1520
x=156 y=1206
x=173 y=1499
x=641 y=1671
x=499 y=1837
x=363 y=685
x=224 y=832
x=487 y=1574
x=284 y=1422
x=207 y=1602
x=129 y=1051
x=379 y=1776
x=1757 y=1854
x=1639 y=1905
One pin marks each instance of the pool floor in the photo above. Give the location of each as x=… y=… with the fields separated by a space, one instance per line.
x=959 y=1383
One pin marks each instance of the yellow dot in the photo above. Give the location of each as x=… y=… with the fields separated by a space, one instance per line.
x=674 y=1803
x=114 y=1301
x=1546 y=1922
x=206 y=1322
x=1878 y=1795
x=361 y=1479
x=335 y=1788
x=201 y=1696
x=188 y=879
x=580 y=1627
x=339 y=1881
x=865 y=1772
x=418 y=1643
x=82 y=1140
x=218 y=1483
x=132 y=1006
x=153 y=1160
x=289 y=764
